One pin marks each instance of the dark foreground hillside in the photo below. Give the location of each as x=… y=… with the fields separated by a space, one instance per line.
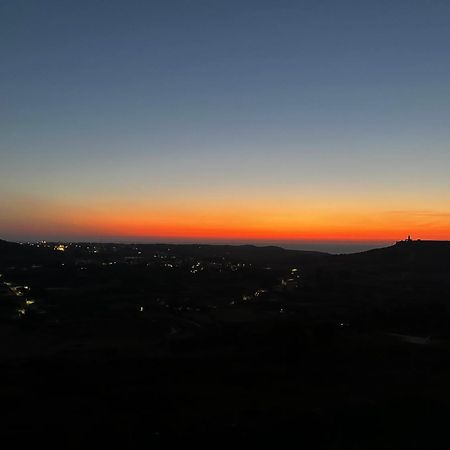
x=133 y=345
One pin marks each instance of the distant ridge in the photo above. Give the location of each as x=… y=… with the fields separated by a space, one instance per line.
x=4 y=243
x=406 y=249
x=430 y=255
x=12 y=252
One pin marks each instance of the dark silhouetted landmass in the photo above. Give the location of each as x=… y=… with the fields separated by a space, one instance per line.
x=134 y=344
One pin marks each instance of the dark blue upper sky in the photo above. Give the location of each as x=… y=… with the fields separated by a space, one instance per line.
x=103 y=64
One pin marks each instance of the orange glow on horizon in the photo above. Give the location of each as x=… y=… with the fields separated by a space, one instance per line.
x=270 y=221
x=210 y=228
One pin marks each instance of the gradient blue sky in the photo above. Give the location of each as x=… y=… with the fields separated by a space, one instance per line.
x=307 y=120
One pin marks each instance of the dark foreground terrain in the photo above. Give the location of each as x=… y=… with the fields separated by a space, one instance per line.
x=128 y=345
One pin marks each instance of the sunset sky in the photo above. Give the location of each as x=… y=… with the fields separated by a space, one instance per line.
x=238 y=121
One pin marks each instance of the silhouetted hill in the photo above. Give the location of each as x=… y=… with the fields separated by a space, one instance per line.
x=432 y=255
x=429 y=256
x=8 y=247
x=13 y=253
x=262 y=256
x=409 y=272
x=250 y=253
